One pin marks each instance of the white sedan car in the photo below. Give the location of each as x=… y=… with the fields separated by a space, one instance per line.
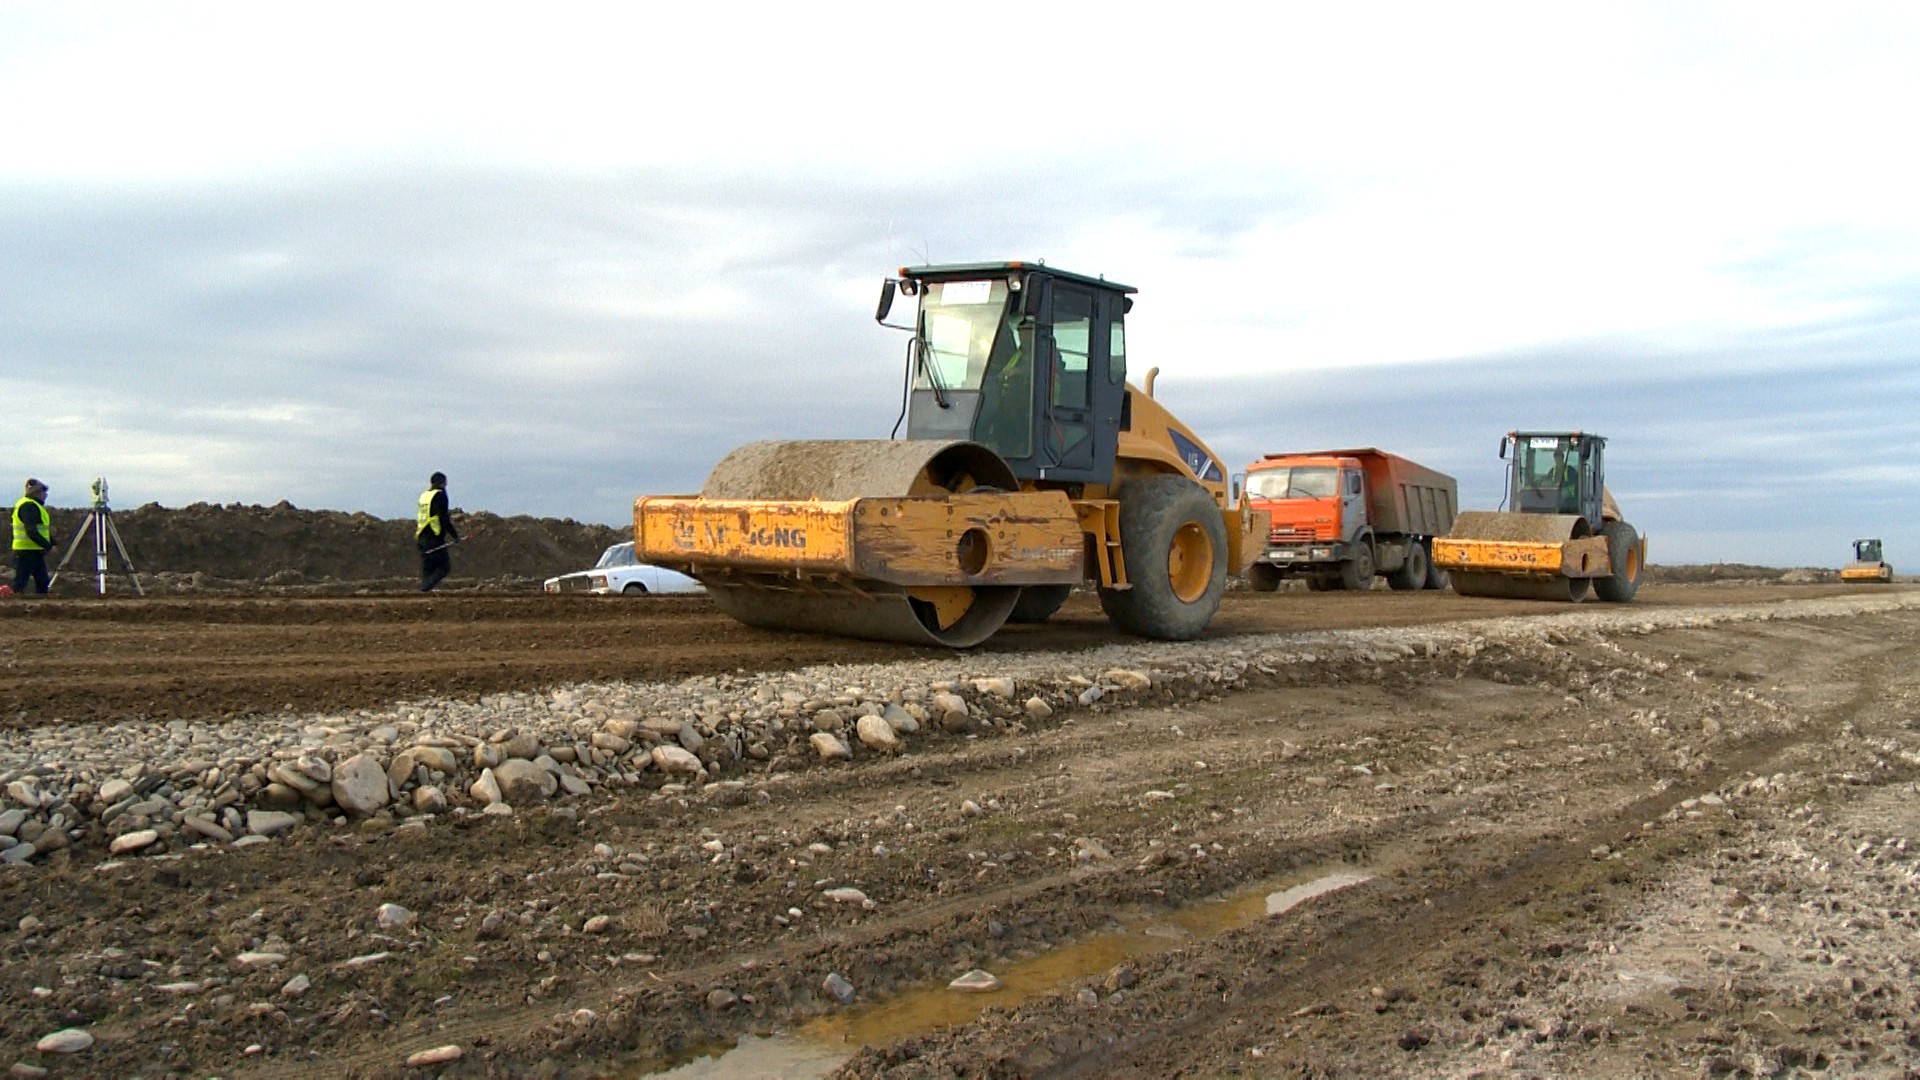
x=617 y=574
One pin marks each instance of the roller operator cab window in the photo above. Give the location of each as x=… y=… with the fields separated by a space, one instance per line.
x=960 y=322
x=974 y=342
x=1548 y=475
x=1297 y=482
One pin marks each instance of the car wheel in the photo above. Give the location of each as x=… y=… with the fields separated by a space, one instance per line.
x=634 y=588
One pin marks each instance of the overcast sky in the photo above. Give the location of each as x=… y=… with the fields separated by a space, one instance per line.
x=572 y=254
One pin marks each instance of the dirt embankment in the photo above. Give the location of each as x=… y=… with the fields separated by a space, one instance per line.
x=204 y=546
x=284 y=549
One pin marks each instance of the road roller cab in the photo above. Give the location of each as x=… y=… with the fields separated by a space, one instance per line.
x=1030 y=465
x=1028 y=361
x=1562 y=535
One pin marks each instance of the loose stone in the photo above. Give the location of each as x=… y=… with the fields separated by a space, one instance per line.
x=133 y=841
x=878 y=734
x=439 y=1055
x=360 y=785
x=829 y=746
x=65 y=1041
x=270 y=822
x=977 y=981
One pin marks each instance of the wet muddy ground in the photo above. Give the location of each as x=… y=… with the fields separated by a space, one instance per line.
x=1680 y=848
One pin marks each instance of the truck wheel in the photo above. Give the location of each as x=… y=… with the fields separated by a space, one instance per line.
x=1357 y=573
x=1623 y=549
x=1175 y=549
x=1263 y=578
x=1037 y=603
x=1436 y=577
x=1412 y=573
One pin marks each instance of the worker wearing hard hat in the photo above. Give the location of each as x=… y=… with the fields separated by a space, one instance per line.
x=434 y=533
x=32 y=538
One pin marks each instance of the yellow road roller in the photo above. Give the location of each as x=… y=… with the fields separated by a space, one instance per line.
x=1867 y=564
x=1029 y=465
x=1561 y=536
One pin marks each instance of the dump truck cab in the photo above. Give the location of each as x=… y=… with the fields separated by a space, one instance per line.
x=1025 y=360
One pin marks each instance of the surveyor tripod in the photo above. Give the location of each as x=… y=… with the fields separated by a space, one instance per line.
x=104 y=533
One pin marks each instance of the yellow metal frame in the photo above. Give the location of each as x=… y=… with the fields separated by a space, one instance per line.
x=971 y=539
x=1586 y=557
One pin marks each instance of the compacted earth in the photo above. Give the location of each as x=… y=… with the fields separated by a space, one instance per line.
x=1344 y=835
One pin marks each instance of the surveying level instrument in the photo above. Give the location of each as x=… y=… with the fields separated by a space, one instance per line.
x=99 y=525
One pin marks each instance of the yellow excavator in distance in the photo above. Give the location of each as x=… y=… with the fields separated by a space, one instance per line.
x=1563 y=535
x=1867 y=564
x=1030 y=465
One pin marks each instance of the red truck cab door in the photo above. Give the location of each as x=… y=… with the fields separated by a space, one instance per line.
x=1353 y=503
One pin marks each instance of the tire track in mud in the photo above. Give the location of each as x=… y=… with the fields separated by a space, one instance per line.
x=1111 y=757
x=1311 y=972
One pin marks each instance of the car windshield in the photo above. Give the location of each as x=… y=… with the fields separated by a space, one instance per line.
x=1297 y=482
x=617 y=555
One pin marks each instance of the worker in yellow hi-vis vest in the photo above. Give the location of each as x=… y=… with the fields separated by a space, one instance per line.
x=434 y=533
x=32 y=538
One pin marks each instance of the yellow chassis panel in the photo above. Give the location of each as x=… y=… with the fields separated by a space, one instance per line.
x=1866 y=572
x=1587 y=557
x=994 y=538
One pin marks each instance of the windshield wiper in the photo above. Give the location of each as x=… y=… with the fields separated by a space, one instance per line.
x=921 y=350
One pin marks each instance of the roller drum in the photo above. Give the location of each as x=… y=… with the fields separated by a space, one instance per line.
x=839 y=469
x=1506 y=586
x=874 y=617
x=844 y=469
x=1508 y=527
x=1492 y=526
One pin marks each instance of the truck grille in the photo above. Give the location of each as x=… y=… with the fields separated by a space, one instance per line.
x=1290 y=534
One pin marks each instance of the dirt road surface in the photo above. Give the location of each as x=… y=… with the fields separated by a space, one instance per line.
x=1389 y=834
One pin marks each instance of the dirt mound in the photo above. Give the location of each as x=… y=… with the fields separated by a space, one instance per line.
x=283 y=545
x=1741 y=573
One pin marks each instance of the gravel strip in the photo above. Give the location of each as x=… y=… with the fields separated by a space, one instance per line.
x=141 y=790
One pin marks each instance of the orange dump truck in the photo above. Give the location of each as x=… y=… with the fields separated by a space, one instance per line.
x=1342 y=516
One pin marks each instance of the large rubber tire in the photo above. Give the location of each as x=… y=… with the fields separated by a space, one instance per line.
x=1263 y=577
x=1412 y=574
x=1357 y=573
x=1436 y=577
x=1175 y=550
x=1623 y=549
x=1037 y=603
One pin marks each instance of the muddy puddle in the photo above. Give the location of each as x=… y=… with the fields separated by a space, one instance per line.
x=818 y=1047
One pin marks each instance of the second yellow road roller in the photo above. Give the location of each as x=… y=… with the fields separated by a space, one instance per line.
x=1562 y=534
x=1029 y=466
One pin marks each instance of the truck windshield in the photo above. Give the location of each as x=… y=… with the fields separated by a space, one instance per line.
x=962 y=323
x=1296 y=482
